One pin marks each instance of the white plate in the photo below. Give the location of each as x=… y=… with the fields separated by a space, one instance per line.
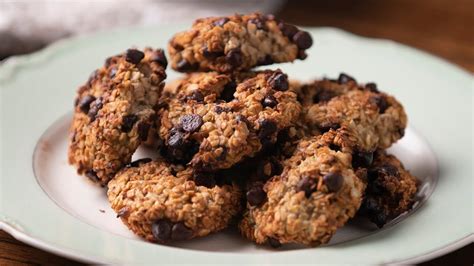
x=43 y=202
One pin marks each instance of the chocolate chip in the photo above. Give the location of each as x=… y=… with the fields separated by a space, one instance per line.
x=204 y=179
x=328 y=126
x=302 y=55
x=191 y=123
x=274 y=243
x=381 y=103
x=211 y=54
x=84 y=103
x=127 y=122
x=195 y=96
x=267 y=128
x=138 y=162
x=323 y=96
x=134 y=56
x=333 y=181
x=234 y=57
x=227 y=93
x=161 y=230
x=160 y=57
x=344 y=78
x=185 y=66
x=92 y=175
x=269 y=101
x=303 y=40
x=243 y=119
x=176 y=138
x=219 y=109
x=279 y=82
x=256 y=195
x=259 y=23
x=288 y=30
x=362 y=159
x=267 y=60
x=220 y=22
x=94 y=108
x=389 y=169
x=379 y=219
x=181 y=232
x=143 y=129
x=308 y=185
x=372 y=87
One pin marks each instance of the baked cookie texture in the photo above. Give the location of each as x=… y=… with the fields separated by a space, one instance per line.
x=114 y=112
x=162 y=202
x=375 y=118
x=316 y=193
x=215 y=122
x=391 y=189
x=237 y=43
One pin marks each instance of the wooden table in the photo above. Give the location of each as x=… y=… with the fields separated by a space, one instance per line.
x=442 y=27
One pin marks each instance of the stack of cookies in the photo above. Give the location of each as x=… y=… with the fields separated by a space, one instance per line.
x=284 y=162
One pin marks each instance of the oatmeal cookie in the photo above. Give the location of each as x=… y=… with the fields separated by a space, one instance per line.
x=162 y=202
x=391 y=189
x=237 y=43
x=114 y=112
x=228 y=121
x=375 y=118
x=316 y=193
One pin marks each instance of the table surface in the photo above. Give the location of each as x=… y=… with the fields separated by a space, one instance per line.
x=441 y=27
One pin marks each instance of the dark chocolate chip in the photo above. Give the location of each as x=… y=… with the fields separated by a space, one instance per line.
x=344 y=78
x=288 y=30
x=143 y=128
x=92 y=175
x=94 y=108
x=303 y=40
x=381 y=103
x=85 y=102
x=372 y=87
x=274 y=243
x=234 y=57
x=181 y=232
x=204 y=179
x=160 y=57
x=302 y=55
x=334 y=147
x=267 y=128
x=379 y=219
x=267 y=60
x=196 y=96
x=259 y=23
x=161 y=230
x=219 y=109
x=211 y=54
x=185 y=66
x=137 y=163
x=227 y=93
x=127 y=122
x=323 y=96
x=308 y=185
x=362 y=159
x=269 y=101
x=256 y=195
x=333 y=181
x=220 y=22
x=191 y=123
x=176 y=138
x=279 y=82
x=134 y=56
x=370 y=206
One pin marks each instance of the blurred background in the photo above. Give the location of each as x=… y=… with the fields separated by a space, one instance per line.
x=441 y=27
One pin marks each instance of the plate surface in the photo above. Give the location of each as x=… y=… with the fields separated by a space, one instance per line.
x=65 y=214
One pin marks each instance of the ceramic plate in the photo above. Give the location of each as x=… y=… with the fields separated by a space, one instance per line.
x=44 y=203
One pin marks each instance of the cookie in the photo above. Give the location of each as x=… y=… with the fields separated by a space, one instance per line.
x=115 y=111
x=375 y=118
x=237 y=43
x=161 y=202
x=316 y=193
x=391 y=189
x=229 y=121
